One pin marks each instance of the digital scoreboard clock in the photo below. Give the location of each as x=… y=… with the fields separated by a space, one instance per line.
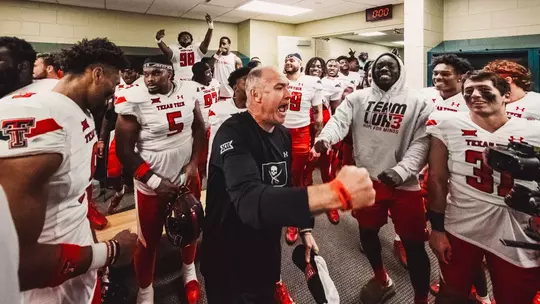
x=379 y=13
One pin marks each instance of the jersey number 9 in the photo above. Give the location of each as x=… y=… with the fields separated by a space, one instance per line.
x=187 y=59
x=296 y=99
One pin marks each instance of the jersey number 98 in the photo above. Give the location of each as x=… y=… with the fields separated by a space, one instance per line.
x=296 y=99
x=483 y=176
x=187 y=59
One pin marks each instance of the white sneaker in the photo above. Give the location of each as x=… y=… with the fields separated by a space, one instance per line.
x=146 y=295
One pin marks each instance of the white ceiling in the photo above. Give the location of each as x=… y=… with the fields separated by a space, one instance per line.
x=387 y=40
x=225 y=10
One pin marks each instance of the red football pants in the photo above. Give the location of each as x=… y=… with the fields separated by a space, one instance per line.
x=151 y=212
x=300 y=154
x=97 y=292
x=511 y=284
x=324 y=163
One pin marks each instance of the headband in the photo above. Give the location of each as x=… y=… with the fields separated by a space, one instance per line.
x=157 y=65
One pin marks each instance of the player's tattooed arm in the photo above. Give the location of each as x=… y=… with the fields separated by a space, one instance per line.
x=161 y=44
x=26 y=187
x=208 y=37
x=318 y=117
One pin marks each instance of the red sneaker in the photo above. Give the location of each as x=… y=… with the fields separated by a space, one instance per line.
x=292 y=235
x=281 y=295
x=333 y=216
x=537 y=298
x=193 y=291
x=97 y=220
x=399 y=251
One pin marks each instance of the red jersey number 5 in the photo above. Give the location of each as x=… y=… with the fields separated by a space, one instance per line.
x=296 y=99
x=174 y=127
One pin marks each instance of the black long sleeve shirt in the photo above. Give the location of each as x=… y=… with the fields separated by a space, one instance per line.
x=248 y=202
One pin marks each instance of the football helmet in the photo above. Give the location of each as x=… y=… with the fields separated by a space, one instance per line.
x=183 y=223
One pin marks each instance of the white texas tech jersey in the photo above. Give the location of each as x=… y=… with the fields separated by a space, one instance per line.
x=208 y=95
x=50 y=122
x=306 y=92
x=455 y=103
x=527 y=107
x=349 y=80
x=165 y=139
x=183 y=59
x=332 y=90
x=475 y=209
x=38 y=86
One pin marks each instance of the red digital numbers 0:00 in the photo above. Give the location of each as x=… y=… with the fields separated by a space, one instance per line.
x=382 y=12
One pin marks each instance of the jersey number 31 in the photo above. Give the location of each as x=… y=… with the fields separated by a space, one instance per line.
x=483 y=176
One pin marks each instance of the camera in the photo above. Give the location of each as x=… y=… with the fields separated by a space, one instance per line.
x=521 y=161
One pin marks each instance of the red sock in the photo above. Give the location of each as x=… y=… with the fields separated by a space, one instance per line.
x=420 y=299
x=381 y=276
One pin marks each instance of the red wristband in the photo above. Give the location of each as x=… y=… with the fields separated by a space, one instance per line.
x=66 y=267
x=141 y=171
x=343 y=194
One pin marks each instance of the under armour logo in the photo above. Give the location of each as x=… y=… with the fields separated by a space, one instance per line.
x=520 y=109
x=285 y=154
x=226 y=147
x=513 y=139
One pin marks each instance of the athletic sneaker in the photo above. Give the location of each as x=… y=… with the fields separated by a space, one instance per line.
x=193 y=291
x=281 y=294
x=537 y=299
x=115 y=200
x=97 y=220
x=292 y=235
x=434 y=288
x=333 y=216
x=399 y=252
x=374 y=293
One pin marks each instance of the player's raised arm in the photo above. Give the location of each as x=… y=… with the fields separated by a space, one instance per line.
x=208 y=37
x=162 y=45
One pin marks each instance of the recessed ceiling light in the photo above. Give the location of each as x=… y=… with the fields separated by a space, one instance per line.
x=399 y=42
x=273 y=8
x=372 y=34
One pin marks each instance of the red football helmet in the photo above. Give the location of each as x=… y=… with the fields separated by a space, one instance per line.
x=183 y=223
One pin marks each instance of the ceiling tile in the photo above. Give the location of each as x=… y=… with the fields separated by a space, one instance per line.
x=373 y=3
x=318 y=4
x=173 y=8
x=48 y=1
x=85 y=3
x=199 y=11
x=137 y=6
x=347 y=8
x=228 y=3
x=240 y=14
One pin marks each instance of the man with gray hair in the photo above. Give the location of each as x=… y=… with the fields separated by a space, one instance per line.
x=250 y=199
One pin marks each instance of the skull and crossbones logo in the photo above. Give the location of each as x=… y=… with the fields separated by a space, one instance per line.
x=274 y=174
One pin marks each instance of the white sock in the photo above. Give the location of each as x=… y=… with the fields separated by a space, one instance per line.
x=146 y=295
x=121 y=192
x=397 y=238
x=485 y=299
x=190 y=273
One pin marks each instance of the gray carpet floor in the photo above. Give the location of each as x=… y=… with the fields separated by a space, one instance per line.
x=339 y=246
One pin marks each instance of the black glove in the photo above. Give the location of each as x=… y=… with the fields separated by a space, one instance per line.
x=390 y=178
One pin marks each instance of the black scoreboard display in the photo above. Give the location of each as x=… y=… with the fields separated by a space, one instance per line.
x=379 y=13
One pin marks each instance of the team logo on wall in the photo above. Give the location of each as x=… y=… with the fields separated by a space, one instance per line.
x=275 y=174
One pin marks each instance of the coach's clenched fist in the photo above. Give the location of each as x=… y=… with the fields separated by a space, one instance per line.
x=358 y=183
